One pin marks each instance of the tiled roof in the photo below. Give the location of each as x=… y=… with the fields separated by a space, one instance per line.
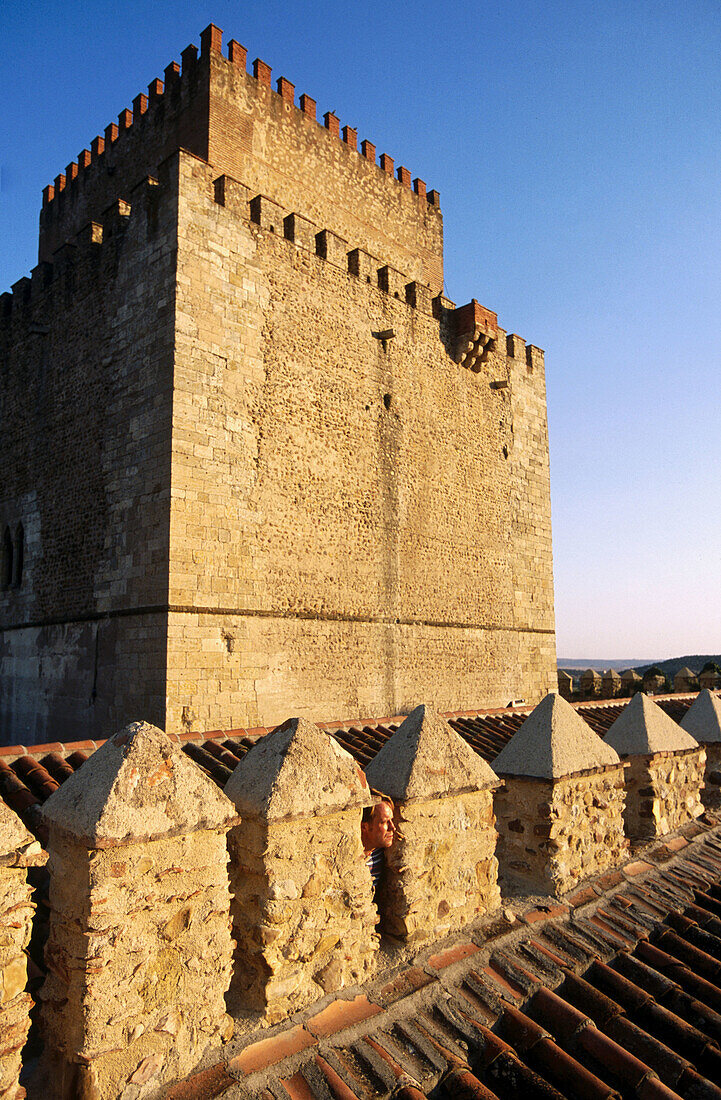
x=29 y=775
x=614 y=994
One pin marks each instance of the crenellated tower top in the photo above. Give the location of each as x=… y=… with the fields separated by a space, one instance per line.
x=210 y=105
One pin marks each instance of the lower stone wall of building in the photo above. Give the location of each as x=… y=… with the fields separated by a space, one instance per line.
x=441 y=872
x=231 y=671
x=664 y=792
x=80 y=680
x=552 y=835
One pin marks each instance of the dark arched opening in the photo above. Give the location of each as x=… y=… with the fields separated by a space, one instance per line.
x=19 y=555
x=7 y=559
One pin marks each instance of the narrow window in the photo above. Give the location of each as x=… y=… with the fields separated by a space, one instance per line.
x=19 y=554
x=7 y=560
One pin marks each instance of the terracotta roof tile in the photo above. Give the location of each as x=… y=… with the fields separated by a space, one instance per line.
x=452 y=955
x=205 y=1085
x=266 y=1052
x=405 y=983
x=341 y=1014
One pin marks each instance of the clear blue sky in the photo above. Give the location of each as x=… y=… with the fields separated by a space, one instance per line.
x=577 y=150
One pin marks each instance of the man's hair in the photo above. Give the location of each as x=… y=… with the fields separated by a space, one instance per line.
x=368 y=810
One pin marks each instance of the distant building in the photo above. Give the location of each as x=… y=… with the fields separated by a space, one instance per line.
x=630 y=681
x=565 y=684
x=710 y=676
x=685 y=680
x=611 y=685
x=591 y=683
x=654 y=681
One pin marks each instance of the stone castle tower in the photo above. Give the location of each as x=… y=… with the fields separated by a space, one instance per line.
x=254 y=463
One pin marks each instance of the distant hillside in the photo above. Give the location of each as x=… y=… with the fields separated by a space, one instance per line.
x=669 y=667
x=578 y=664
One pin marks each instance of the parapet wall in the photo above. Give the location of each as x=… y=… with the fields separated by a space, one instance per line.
x=213 y=108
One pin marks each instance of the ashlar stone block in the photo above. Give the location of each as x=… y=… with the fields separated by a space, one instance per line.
x=18 y=851
x=441 y=871
x=303 y=914
x=139 y=951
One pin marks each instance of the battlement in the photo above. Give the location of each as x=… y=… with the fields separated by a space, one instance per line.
x=88 y=256
x=471 y=332
x=210 y=105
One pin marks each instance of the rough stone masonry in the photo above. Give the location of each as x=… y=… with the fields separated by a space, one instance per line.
x=280 y=472
x=139 y=947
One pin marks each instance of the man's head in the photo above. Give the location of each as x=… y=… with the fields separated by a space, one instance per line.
x=377 y=828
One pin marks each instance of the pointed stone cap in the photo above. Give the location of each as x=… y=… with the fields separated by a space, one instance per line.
x=687 y=673
x=138 y=785
x=630 y=676
x=425 y=758
x=702 y=720
x=297 y=770
x=18 y=847
x=643 y=729
x=554 y=741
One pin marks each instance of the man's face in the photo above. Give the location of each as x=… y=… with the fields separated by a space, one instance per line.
x=380 y=830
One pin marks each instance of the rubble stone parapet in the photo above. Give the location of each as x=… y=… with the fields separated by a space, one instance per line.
x=554 y=834
x=560 y=814
x=139 y=951
x=664 y=792
x=666 y=773
x=18 y=851
x=441 y=871
x=703 y=722
x=303 y=914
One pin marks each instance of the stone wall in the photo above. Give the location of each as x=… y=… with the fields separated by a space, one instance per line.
x=364 y=456
x=85 y=422
x=121 y=1004
x=288 y=510
x=441 y=872
x=663 y=791
x=18 y=851
x=139 y=951
x=554 y=834
x=303 y=914
x=712 y=776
